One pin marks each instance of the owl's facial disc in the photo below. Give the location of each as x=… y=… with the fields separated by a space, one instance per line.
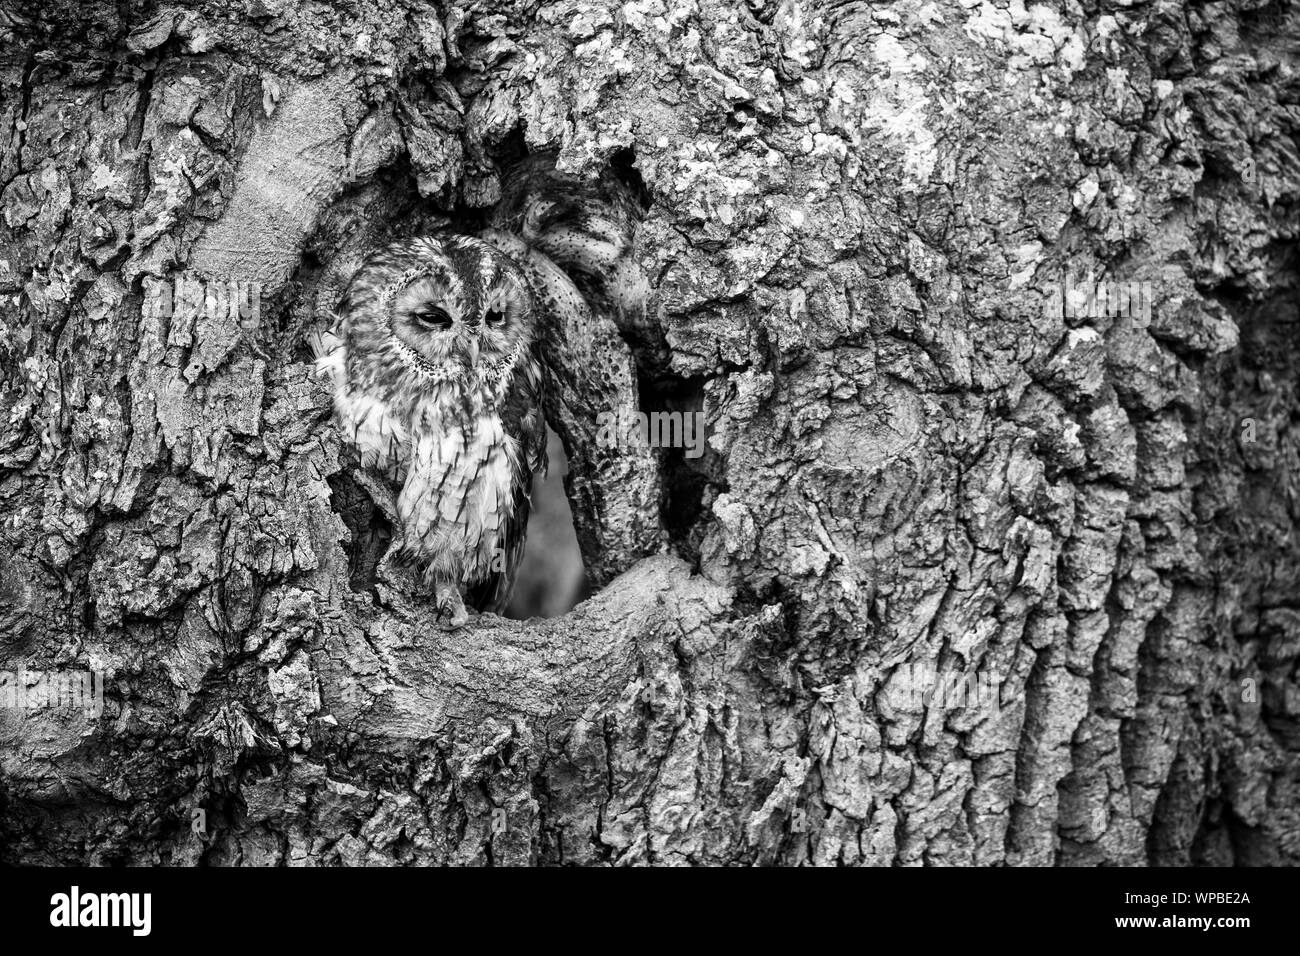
x=462 y=316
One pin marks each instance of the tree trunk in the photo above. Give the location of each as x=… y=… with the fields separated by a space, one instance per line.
x=972 y=571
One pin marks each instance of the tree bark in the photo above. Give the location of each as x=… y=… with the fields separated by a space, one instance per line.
x=923 y=466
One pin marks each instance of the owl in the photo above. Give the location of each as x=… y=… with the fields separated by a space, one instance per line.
x=437 y=385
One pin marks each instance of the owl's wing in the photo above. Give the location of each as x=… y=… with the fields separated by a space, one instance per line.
x=381 y=441
x=523 y=420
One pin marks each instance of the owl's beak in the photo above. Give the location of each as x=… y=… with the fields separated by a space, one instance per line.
x=472 y=348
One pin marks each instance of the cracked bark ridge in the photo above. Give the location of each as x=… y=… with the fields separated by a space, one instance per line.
x=913 y=464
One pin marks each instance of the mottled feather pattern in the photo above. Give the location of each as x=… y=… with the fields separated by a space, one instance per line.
x=585 y=228
x=437 y=385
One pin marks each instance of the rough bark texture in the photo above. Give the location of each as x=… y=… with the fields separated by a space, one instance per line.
x=855 y=213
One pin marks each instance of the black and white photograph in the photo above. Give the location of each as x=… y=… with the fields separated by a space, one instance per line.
x=654 y=434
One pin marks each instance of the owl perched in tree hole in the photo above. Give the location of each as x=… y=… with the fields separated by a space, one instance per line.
x=437 y=385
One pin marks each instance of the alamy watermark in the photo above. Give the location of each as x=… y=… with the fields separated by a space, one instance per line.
x=635 y=429
x=53 y=690
x=76 y=909
x=920 y=686
x=190 y=295
x=1088 y=299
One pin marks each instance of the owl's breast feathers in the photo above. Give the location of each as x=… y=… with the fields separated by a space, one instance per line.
x=524 y=423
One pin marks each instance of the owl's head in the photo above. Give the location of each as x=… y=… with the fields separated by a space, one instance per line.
x=432 y=311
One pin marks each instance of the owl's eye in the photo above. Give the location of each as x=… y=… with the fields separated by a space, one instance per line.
x=432 y=317
x=495 y=318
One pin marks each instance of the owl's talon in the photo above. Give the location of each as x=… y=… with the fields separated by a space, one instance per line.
x=453 y=620
x=450 y=605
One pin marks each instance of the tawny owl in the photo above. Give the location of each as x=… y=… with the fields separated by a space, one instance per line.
x=437 y=384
